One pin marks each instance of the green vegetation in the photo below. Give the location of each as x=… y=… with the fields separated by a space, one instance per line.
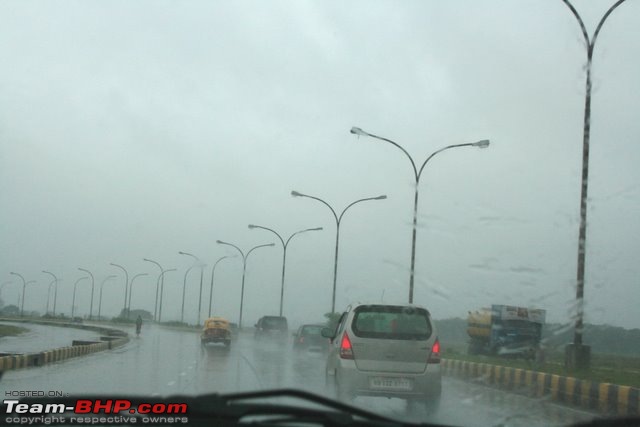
x=332 y=320
x=614 y=357
x=9 y=330
x=123 y=320
x=178 y=324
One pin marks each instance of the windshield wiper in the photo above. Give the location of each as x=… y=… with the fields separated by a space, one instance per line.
x=337 y=413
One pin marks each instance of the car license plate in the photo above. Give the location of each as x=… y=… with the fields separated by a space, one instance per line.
x=390 y=383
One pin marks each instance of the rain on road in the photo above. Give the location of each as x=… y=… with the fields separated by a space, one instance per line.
x=170 y=362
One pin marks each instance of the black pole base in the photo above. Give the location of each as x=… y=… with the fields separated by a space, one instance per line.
x=577 y=357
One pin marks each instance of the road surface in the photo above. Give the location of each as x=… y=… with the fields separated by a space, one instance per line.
x=166 y=362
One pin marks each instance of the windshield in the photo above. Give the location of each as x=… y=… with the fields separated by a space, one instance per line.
x=391 y=323
x=279 y=163
x=274 y=323
x=311 y=330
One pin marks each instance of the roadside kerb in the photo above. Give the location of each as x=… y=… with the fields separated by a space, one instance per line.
x=112 y=338
x=602 y=397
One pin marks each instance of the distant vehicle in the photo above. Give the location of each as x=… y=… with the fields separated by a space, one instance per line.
x=309 y=337
x=77 y=319
x=505 y=330
x=271 y=326
x=216 y=330
x=385 y=350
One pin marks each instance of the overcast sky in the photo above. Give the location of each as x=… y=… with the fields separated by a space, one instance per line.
x=140 y=129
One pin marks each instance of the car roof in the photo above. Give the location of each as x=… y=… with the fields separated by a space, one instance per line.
x=379 y=304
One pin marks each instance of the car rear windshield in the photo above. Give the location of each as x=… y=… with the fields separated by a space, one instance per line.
x=391 y=322
x=274 y=323
x=312 y=330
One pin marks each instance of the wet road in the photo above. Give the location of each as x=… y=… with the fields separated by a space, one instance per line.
x=166 y=362
x=40 y=338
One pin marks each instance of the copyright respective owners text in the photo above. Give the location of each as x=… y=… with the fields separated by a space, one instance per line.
x=55 y=408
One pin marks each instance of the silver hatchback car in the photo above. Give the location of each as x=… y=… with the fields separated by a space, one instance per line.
x=385 y=350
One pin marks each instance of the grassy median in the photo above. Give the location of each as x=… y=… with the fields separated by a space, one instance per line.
x=614 y=369
x=10 y=331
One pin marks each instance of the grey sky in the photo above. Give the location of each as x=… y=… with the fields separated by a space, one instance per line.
x=139 y=129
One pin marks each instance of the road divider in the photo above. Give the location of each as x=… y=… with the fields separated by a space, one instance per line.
x=110 y=338
x=602 y=397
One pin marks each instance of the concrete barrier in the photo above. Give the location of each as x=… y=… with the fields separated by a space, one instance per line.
x=602 y=397
x=114 y=338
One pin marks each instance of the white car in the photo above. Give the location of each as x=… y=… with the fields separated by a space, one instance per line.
x=385 y=350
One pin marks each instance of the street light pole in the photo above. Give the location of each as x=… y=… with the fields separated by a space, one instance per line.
x=49 y=295
x=162 y=292
x=284 y=253
x=92 y=283
x=155 y=309
x=126 y=288
x=131 y=291
x=213 y=273
x=201 y=280
x=24 y=288
x=102 y=286
x=27 y=284
x=338 y=222
x=184 y=291
x=576 y=354
x=160 y=277
x=417 y=173
x=55 y=293
x=73 y=301
x=244 y=270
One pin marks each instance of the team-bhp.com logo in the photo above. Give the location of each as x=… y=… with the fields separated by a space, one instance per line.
x=85 y=411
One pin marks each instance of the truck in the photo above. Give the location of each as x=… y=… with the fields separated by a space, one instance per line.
x=505 y=330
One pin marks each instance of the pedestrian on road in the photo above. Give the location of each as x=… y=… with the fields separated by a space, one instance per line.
x=138 y=324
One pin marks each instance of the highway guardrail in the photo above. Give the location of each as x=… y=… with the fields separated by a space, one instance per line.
x=602 y=397
x=111 y=338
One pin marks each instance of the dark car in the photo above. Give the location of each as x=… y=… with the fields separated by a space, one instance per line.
x=271 y=326
x=308 y=337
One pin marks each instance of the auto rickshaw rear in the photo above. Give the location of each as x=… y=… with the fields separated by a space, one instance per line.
x=216 y=330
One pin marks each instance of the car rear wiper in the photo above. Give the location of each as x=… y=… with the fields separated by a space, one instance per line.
x=235 y=409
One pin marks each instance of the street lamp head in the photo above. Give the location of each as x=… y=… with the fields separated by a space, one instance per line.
x=296 y=194
x=271 y=244
x=384 y=196
x=481 y=144
x=220 y=242
x=251 y=226
x=357 y=131
x=315 y=229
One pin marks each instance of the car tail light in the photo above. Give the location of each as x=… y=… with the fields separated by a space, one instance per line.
x=346 y=351
x=435 y=352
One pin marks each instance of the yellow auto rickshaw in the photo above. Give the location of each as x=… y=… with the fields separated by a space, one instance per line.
x=216 y=330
